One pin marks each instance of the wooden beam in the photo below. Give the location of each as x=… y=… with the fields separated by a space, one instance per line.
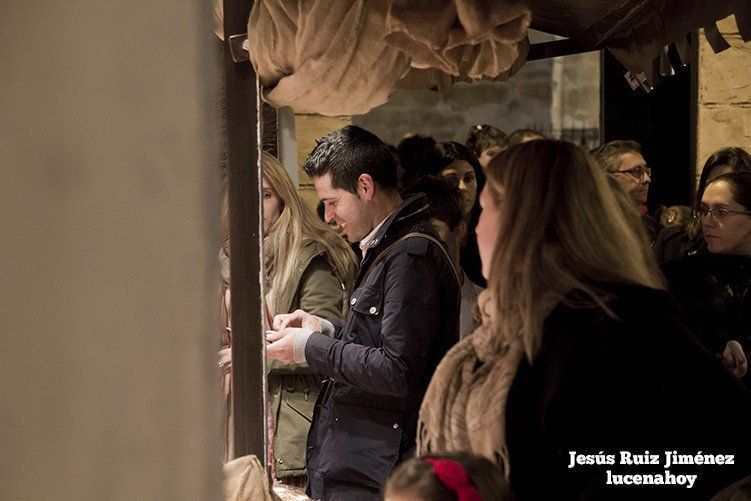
x=244 y=181
x=557 y=48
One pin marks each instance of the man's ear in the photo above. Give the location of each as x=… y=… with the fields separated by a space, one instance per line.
x=365 y=187
x=461 y=230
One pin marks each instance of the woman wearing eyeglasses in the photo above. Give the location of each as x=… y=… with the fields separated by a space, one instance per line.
x=715 y=288
x=686 y=240
x=581 y=349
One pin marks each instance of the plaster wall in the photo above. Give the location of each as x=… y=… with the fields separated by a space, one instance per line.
x=559 y=97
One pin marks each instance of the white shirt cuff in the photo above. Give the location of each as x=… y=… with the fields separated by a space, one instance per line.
x=301 y=339
x=327 y=328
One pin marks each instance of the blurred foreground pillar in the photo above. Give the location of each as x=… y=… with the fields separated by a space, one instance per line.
x=108 y=276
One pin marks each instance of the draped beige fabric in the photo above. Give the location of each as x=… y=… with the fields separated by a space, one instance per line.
x=339 y=57
x=245 y=480
x=342 y=57
x=466 y=38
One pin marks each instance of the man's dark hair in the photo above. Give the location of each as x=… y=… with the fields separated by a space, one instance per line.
x=349 y=152
x=411 y=149
x=482 y=137
x=445 y=199
x=608 y=154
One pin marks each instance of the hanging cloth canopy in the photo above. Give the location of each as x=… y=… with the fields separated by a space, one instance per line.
x=337 y=57
x=347 y=57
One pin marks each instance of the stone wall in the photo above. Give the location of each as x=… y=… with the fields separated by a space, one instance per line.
x=724 y=97
x=521 y=102
x=558 y=96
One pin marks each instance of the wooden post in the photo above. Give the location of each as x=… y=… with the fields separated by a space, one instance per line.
x=244 y=181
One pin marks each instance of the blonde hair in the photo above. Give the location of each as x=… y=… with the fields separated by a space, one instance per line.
x=296 y=224
x=562 y=229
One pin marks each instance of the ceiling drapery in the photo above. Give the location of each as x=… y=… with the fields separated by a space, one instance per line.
x=341 y=58
x=347 y=57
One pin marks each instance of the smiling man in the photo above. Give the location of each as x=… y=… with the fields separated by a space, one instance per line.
x=403 y=317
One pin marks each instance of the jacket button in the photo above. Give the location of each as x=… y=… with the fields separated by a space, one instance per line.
x=354 y=300
x=373 y=310
x=396 y=425
x=279 y=461
x=336 y=419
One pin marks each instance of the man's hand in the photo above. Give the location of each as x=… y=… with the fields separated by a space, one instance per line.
x=282 y=347
x=297 y=318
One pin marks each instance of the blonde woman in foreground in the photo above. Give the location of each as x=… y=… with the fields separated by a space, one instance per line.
x=307 y=265
x=581 y=354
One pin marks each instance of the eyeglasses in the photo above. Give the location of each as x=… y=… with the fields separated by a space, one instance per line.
x=719 y=213
x=637 y=173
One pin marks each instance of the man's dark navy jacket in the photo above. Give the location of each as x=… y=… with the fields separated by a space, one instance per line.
x=404 y=316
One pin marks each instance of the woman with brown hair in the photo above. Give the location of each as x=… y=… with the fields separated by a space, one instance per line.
x=581 y=348
x=714 y=288
x=459 y=164
x=675 y=242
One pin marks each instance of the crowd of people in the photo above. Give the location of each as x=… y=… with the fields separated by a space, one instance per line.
x=497 y=306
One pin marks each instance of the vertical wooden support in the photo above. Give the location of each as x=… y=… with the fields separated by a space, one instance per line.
x=244 y=181
x=694 y=79
x=269 y=129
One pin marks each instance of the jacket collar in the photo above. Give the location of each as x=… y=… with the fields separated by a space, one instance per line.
x=413 y=208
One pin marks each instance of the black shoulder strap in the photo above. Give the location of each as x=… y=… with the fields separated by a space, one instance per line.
x=414 y=234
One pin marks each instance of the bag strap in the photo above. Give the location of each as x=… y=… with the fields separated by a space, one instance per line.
x=380 y=257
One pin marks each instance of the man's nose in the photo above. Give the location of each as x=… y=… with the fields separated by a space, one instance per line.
x=328 y=214
x=645 y=178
